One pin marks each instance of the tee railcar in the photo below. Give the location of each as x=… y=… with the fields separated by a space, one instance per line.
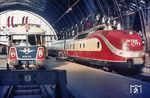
x=58 y=51
x=114 y=49
x=26 y=47
x=57 y=48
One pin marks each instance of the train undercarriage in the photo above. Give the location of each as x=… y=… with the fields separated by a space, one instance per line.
x=120 y=67
x=26 y=65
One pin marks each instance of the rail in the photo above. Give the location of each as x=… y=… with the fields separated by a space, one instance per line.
x=51 y=83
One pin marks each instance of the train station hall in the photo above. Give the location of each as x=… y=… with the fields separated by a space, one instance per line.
x=74 y=48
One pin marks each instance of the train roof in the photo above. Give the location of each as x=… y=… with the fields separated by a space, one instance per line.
x=106 y=27
x=118 y=31
x=58 y=41
x=26 y=29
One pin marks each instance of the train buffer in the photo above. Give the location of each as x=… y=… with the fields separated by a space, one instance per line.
x=33 y=84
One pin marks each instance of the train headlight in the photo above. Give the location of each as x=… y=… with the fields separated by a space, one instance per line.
x=40 y=53
x=40 y=56
x=130 y=32
x=12 y=53
x=141 y=54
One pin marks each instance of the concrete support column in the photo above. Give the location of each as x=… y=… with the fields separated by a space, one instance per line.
x=147 y=29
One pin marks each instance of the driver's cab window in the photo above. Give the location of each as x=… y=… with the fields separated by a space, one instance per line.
x=23 y=43
x=23 y=40
x=34 y=39
x=18 y=40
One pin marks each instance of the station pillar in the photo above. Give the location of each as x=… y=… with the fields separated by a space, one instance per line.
x=147 y=29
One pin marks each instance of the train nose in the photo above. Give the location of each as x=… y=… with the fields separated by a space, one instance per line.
x=134 y=61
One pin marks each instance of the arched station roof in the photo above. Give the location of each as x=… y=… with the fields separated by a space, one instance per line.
x=68 y=15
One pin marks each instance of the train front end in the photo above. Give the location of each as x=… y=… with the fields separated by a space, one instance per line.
x=26 y=50
x=31 y=56
x=127 y=49
x=133 y=48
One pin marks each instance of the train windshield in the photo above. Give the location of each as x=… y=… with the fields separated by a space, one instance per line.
x=27 y=40
x=34 y=39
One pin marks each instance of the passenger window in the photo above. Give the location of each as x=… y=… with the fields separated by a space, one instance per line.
x=80 y=45
x=83 y=45
x=98 y=44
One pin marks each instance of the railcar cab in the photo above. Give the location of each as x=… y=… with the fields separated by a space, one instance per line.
x=26 y=47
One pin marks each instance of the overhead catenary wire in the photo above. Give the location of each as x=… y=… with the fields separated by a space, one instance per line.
x=67 y=11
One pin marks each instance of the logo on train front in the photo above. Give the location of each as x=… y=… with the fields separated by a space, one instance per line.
x=27 y=78
x=135 y=89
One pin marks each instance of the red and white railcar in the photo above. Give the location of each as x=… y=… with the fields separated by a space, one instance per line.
x=115 y=49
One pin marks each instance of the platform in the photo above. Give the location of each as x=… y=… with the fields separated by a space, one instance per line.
x=86 y=82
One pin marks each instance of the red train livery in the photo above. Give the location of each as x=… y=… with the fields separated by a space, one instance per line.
x=114 y=49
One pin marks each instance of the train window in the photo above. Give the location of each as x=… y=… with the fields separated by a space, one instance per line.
x=83 y=45
x=98 y=44
x=80 y=45
x=34 y=39
x=31 y=39
x=18 y=40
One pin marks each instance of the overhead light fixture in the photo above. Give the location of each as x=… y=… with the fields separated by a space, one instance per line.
x=70 y=9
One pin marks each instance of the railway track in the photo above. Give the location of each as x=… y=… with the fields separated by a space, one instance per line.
x=25 y=91
x=34 y=84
